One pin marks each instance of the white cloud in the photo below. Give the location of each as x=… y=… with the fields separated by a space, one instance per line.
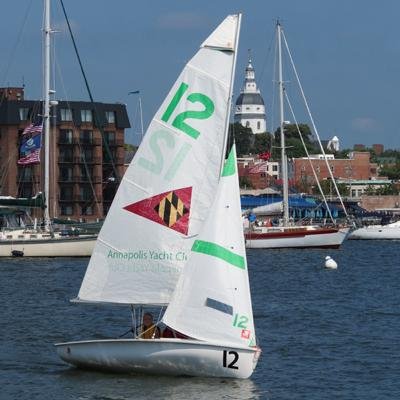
x=181 y=20
x=365 y=124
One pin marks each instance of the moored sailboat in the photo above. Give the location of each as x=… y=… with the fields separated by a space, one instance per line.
x=289 y=235
x=377 y=232
x=159 y=234
x=44 y=241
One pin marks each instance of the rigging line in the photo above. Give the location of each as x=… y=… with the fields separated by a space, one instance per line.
x=273 y=93
x=13 y=52
x=308 y=156
x=75 y=128
x=267 y=56
x=313 y=123
x=96 y=117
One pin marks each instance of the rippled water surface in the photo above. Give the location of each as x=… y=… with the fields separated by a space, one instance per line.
x=325 y=334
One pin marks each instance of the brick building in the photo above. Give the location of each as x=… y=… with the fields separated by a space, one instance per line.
x=82 y=171
x=258 y=173
x=356 y=167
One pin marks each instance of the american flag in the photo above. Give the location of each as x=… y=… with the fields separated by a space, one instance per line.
x=33 y=129
x=31 y=158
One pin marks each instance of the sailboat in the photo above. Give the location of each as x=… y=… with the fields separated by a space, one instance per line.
x=289 y=235
x=164 y=242
x=377 y=232
x=45 y=242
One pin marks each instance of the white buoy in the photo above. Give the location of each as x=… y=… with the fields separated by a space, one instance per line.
x=330 y=263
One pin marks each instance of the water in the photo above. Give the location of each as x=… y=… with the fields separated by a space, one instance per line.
x=325 y=334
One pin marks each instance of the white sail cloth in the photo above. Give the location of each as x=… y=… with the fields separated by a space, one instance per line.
x=169 y=187
x=212 y=299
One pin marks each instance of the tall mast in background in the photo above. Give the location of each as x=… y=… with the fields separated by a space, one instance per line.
x=284 y=166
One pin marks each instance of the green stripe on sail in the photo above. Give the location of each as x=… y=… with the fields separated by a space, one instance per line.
x=230 y=164
x=215 y=250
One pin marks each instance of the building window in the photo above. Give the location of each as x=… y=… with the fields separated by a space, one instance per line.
x=110 y=137
x=66 y=193
x=86 y=173
x=66 y=154
x=67 y=209
x=66 y=114
x=86 y=155
x=86 y=116
x=258 y=124
x=332 y=168
x=24 y=114
x=86 y=193
x=65 y=136
x=247 y=108
x=110 y=117
x=66 y=174
x=247 y=124
x=275 y=168
x=86 y=137
x=86 y=210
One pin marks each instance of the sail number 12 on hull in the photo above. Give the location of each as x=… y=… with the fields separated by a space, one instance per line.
x=232 y=364
x=163 y=138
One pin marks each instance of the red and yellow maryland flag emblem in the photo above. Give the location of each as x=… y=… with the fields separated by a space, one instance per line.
x=170 y=209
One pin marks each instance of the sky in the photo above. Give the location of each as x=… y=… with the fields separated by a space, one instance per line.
x=347 y=53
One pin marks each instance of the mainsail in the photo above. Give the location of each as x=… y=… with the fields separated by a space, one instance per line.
x=168 y=189
x=212 y=299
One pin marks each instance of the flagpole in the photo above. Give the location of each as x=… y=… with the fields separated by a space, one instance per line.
x=46 y=111
x=140 y=111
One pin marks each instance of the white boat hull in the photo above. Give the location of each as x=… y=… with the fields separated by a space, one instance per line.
x=161 y=357
x=52 y=247
x=324 y=238
x=376 y=232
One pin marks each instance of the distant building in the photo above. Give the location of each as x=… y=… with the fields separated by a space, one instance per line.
x=359 y=147
x=358 y=187
x=259 y=173
x=82 y=177
x=250 y=108
x=378 y=149
x=357 y=167
x=333 y=144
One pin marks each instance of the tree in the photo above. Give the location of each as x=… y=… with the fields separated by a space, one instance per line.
x=293 y=144
x=262 y=143
x=245 y=183
x=387 y=190
x=328 y=188
x=242 y=136
x=392 y=172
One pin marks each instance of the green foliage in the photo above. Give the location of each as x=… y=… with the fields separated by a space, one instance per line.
x=294 y=146
x=130 y=147
x=328 y=188
x=247 y=142
x=392 y=172
x=262 y=143
x=245 y=183
x=387 y=190
x=343 y=154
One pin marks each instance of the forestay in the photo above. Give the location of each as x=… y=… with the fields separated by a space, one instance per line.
x=212 y=299
x=168 y=189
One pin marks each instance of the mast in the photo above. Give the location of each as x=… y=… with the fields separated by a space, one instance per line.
x=228 y=114
x=141 y=118
x=46 y=109
x=284 y=167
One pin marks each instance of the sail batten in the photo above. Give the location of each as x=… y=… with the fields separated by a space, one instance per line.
x=169 y=187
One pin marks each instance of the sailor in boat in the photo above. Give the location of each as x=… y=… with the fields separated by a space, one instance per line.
x=169 y=333
x=149 y=330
